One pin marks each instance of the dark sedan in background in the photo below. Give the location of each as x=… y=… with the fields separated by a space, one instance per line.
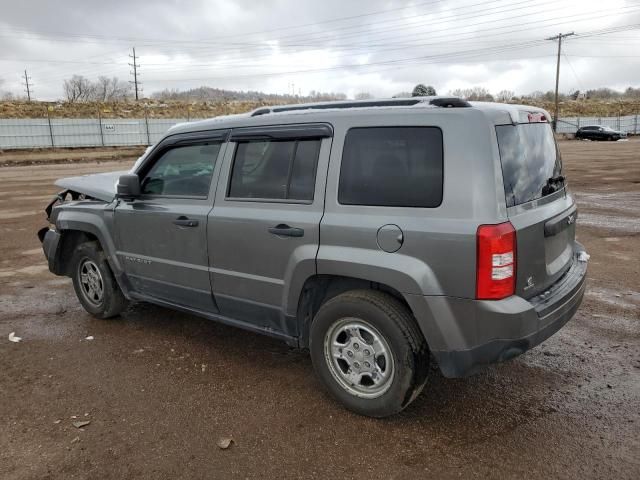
x=598 y=132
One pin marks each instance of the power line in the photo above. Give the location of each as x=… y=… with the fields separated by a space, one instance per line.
x=331 y=34
x=543 y=23
x=559 y=38
x=448 y=42
x=566 y=57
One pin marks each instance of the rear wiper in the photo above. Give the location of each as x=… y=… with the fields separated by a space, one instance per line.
x=553 y=185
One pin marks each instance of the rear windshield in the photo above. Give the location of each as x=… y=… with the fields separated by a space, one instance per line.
x=530 y=158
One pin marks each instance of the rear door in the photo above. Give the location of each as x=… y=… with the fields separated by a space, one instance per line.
x=592 y=133
x=539 y=206
x=264 y=227
x=162 y=235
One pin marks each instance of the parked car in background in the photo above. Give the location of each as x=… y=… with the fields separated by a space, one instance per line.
x=598 y=132
x=378 y=234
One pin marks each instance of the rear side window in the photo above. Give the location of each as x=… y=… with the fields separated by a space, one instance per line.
x=278 y=170
x=392 y=167
x=530 y=157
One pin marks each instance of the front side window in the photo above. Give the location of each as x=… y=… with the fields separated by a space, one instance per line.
x=182 y=171
x=278 y=170
x=392 y=167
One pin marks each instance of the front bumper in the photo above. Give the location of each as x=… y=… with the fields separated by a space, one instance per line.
x=465 y=335
x=50 y=245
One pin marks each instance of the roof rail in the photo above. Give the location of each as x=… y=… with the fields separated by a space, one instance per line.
x=450 y=102
x=260 y=111
x=393 y=102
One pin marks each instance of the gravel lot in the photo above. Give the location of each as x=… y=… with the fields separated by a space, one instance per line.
x=161 y=388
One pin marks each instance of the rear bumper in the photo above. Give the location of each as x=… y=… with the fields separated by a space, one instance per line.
x=469 y=334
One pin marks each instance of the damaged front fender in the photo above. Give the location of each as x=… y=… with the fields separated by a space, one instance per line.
x=59 y=198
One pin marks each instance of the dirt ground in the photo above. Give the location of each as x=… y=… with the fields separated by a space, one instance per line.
x=37 y=156
x=160 y=388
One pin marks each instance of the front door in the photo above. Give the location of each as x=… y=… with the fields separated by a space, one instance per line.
x=265 y=225
x=162 y=236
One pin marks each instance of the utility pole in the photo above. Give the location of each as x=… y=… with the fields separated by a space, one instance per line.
x=558 y=37
x=135 y=71
x=28 y=85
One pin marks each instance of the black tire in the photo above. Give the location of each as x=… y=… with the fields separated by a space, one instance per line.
x=395 y=323
x=112 y=301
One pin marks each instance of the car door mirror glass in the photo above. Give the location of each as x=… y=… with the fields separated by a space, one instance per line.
x=128 y=186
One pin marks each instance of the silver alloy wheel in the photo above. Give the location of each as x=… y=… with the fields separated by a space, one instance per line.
x=359 y=357
x=91 y=282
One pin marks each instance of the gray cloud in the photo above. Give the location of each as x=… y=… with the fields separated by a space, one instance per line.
x=242 y=44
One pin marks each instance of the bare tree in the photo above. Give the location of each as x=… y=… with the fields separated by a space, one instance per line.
x=363 y=96
x=105 y=89
x=505 y=96
x=4 y=95
x=111 y=90
x=78 y=89
x=473 y=94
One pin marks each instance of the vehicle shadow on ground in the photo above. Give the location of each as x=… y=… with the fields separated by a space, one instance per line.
x=467 y=410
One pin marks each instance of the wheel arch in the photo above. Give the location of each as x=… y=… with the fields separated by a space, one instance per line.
x=77 y=226
x=318 y=289
x=93 y=226
x=69 y=241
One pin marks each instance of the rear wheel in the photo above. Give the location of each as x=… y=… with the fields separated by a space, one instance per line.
x=369 y=352
x=93 y=281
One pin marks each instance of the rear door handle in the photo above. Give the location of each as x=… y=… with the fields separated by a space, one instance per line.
x=183 y=221
x=284 y=230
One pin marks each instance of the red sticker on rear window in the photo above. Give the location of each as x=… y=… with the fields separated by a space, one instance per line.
x=537 y=117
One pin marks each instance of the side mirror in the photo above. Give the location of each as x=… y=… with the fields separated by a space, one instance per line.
x=128 y=186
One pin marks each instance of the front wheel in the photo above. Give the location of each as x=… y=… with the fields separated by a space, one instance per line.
x=93 y=281
x=368 y=352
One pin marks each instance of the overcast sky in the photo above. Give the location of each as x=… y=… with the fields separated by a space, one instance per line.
x=378 y=46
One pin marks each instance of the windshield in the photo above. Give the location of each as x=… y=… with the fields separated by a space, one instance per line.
x=529 y=157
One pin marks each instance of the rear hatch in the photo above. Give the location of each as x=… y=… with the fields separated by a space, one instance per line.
x=539 y=206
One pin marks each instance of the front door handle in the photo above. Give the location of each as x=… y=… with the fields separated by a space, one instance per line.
x=183 y=221
x=284 y=230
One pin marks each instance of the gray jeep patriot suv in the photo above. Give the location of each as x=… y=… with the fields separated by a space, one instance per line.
x=377 y=234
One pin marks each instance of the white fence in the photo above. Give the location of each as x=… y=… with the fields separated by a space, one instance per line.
x=629 y=124
x=97 y=132
x=89 y=132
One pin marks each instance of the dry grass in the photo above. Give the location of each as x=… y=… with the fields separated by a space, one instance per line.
x=178 y=109
x=129 y=109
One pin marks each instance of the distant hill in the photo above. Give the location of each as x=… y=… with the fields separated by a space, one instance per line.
x=217 y=94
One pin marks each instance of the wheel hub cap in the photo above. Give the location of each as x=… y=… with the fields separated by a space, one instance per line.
x=91 y=282
x=359 y=357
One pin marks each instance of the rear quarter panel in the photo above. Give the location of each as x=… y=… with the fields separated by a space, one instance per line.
x=439 y=249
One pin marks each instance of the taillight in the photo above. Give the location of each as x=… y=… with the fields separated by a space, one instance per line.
x=496 y=261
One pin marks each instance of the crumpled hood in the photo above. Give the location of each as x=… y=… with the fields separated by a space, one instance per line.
x=101 y=186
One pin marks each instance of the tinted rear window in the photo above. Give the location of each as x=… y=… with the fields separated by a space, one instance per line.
x=529 y=157
x=284 y=170
x=392 y=167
